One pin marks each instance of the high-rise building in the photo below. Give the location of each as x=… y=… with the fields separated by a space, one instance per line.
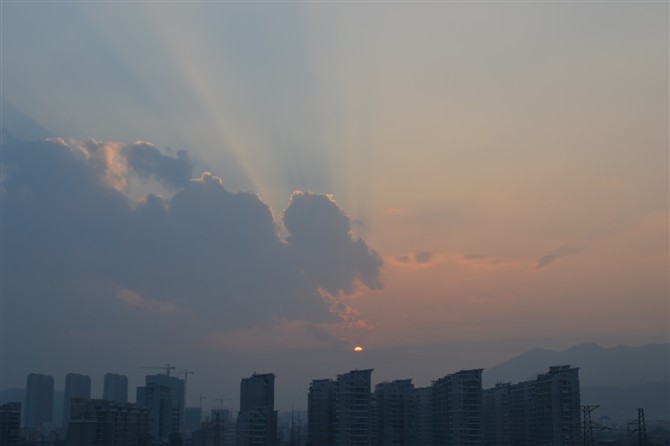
x=393 y=413
x=192 y=418
x=321 y=412
x=422 y=422
x=107 y=423
x=39 y=400
x=521 y=413
x=10 y=424
x=257 y=419
x=115 y=388
x=164 y=396
x=217 y=430
x=542 y=412
x=496 y=415
x=557 y=407
x=76 y=386
x=353 y=404
x=457 y=404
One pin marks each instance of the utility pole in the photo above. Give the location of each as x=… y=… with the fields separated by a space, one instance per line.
x=641 y=428
x=588 y=425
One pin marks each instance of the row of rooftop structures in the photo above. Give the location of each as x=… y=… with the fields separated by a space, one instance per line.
x=344 y=411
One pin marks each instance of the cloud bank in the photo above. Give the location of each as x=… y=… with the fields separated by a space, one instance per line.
x=72 y=236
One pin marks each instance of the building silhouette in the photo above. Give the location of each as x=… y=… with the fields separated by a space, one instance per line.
x=164 y=396
x=39 y=400
x=393 y=413
x=457 y=405
x=540 y=412
x=10 y=424
x=115 y=388
x=76 y=386
x=557 y=407
x=192 y=418
x=353 y=408
x=107 y=423
x=496 y=415
x=257 y=419
x=422 y=422
x=521 y=413
x=216 y=430
x=321 y=412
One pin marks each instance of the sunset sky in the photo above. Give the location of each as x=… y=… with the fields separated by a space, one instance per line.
x=239 y=187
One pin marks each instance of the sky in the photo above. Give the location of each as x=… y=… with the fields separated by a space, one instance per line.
x=232 y=187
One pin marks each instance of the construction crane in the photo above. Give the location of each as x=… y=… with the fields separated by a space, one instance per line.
x=167 y=368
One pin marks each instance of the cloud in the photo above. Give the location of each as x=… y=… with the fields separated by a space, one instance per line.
x=322 y=244
x=145 y=159
x=69 y=228
x=423 y=257
x=418 y=259
x=116 y=163
x=550 y=258
x=135 y=299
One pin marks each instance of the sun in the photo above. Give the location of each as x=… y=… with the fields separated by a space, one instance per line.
x=358 y=348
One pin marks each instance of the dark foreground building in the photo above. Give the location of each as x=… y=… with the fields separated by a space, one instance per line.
x=541 y=412
x=321 y=412
x=107 y=423
x=10 y=424
x=38 y=408
x=257 y=420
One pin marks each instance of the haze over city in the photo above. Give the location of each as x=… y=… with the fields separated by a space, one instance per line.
x=233 y=188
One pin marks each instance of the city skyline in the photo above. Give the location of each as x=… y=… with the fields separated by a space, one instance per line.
x=238 y=188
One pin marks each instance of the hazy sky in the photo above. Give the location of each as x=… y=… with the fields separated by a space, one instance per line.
x=240 y=187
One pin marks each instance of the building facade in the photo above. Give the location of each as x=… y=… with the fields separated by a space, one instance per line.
x=321 y=412
x=257 y=419
x=164 y=396
x=457 y=406
x=107 y=423
x=394 y=411
x=10 y=424
x=39 y=400
x=542 y=412
x=557 y=407
x=496 y=415
x=76 y=386
x=115 y=388
x=422 y=422
x=353 y=408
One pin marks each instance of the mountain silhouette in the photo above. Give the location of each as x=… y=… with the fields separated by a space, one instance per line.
x=619 y=379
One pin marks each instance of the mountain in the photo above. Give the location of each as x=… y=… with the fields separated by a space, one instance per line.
x=619 y=379
x=620 y=366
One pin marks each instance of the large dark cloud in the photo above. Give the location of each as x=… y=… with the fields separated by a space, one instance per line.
x=70 y=235
x=147 y=161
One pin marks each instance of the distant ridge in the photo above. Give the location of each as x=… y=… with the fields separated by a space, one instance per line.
x=619 y=379
x=620 y=366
